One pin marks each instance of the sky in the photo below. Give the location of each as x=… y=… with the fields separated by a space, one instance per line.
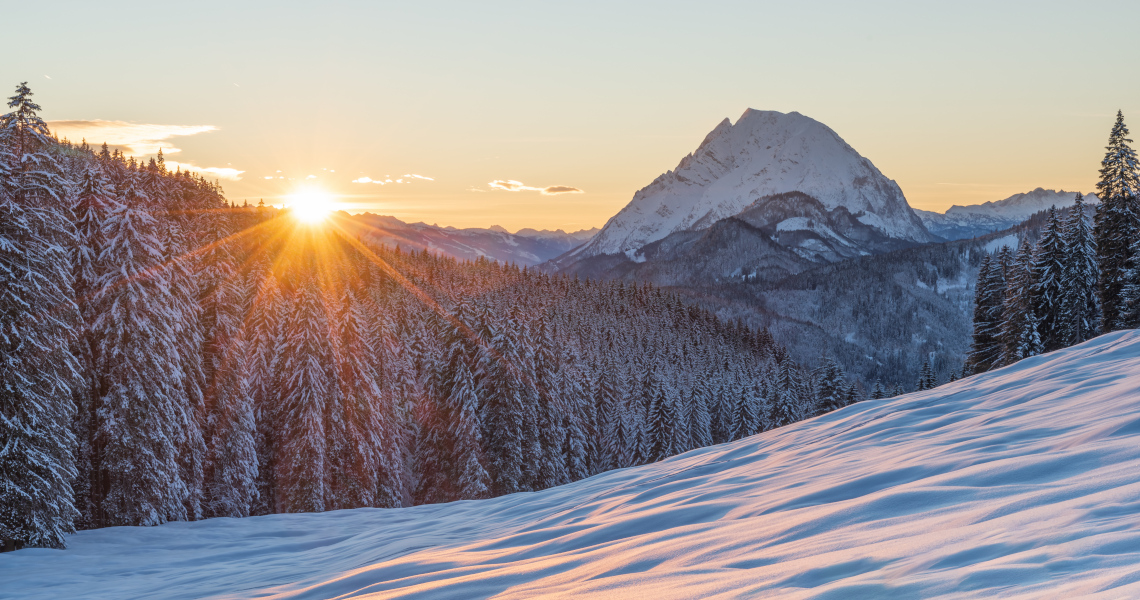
x=551 y=115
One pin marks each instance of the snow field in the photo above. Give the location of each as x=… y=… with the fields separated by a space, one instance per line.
x=1021 y=483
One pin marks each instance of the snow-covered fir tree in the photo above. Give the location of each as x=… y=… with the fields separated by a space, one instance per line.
x=1117 y=219
x=38 y=372
x=1048 y=284
x=1080 y=312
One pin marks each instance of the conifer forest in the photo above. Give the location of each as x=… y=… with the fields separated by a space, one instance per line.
x=170 y=356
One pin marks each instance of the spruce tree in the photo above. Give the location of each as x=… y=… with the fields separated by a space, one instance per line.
x=37 y=316
x=1048 y=284
x=1117 y=220
x=1020 y=337
x=927 y=380
x=139 y=414
x=986 y=349
x=786 y=408
x=301 y=460
x=829 y=387
x=1080 y=312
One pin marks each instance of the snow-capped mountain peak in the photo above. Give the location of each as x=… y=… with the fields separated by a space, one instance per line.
x=764 y=153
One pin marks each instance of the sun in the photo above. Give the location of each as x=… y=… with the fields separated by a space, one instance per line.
x=311 y=205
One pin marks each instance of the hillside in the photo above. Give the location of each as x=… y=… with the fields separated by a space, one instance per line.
x=1021 y=483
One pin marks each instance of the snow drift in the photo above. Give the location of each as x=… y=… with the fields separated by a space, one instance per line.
x=1022 y=482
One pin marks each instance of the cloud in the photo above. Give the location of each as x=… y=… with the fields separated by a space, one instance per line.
x=137 y=139
x=561 y=189
x=219 y=172
x=510 y=185
x=389 y=179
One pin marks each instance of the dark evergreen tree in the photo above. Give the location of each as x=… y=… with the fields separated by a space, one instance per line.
x=37 y=315
x=927 y=380
x=1117 y=220
x=1048 y=272
x=1080 y=312
x=987 y=349
x=301 y=461
x=1020 y=337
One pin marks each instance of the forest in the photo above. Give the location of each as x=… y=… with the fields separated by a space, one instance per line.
x=167 y=355
x=1078 y=280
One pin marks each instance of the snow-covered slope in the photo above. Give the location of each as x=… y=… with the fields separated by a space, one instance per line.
x=960 y=222
x=764 y=153
x=1020 y=483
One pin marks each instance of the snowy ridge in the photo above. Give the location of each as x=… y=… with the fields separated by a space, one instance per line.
x=764 y=153
x=959 y=222
x=1022 y=483
x=524 y=247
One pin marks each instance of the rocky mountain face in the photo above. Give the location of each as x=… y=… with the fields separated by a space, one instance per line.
x=743 y=166
x=526 y=247
x=828 y=266
x=961 y=222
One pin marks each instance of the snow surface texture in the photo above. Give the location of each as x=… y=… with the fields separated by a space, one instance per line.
x=764 y=153
x=1022 y=482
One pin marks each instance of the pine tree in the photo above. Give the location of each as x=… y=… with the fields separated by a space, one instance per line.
x=139 y=417
x=357 y=452
x=927 y=380
x=233 y=485
x=662 y=427
x=829 y=387
x=1020 y=337
x=263 y=343
x=508 y=428
x=1081 y=314
x=1048 y=284
x=301 y=460
x=1117 y=219
x=986 y=350
x=878 y=392
x=1130 y=291
x=786 y=407
x=471 y=478
x=37 y=314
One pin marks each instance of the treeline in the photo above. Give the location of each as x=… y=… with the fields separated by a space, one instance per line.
x=1077 y=281
x=167 y=356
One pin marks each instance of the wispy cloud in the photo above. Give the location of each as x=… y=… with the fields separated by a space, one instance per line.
x=407 y=178
x=219 y=172
x=510 y=185
x=137 y=139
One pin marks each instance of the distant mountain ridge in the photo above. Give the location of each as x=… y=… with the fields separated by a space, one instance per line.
x=766 y=153
x=961 y=222
x=526 y=247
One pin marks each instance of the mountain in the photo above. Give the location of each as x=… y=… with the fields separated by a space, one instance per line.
x=1021 y=482
x=880 y=316
x=525 y=247
x=764 y=154
x=960 y=222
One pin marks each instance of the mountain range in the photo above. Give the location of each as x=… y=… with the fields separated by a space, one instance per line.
x=526 y=247
x=961 y=222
